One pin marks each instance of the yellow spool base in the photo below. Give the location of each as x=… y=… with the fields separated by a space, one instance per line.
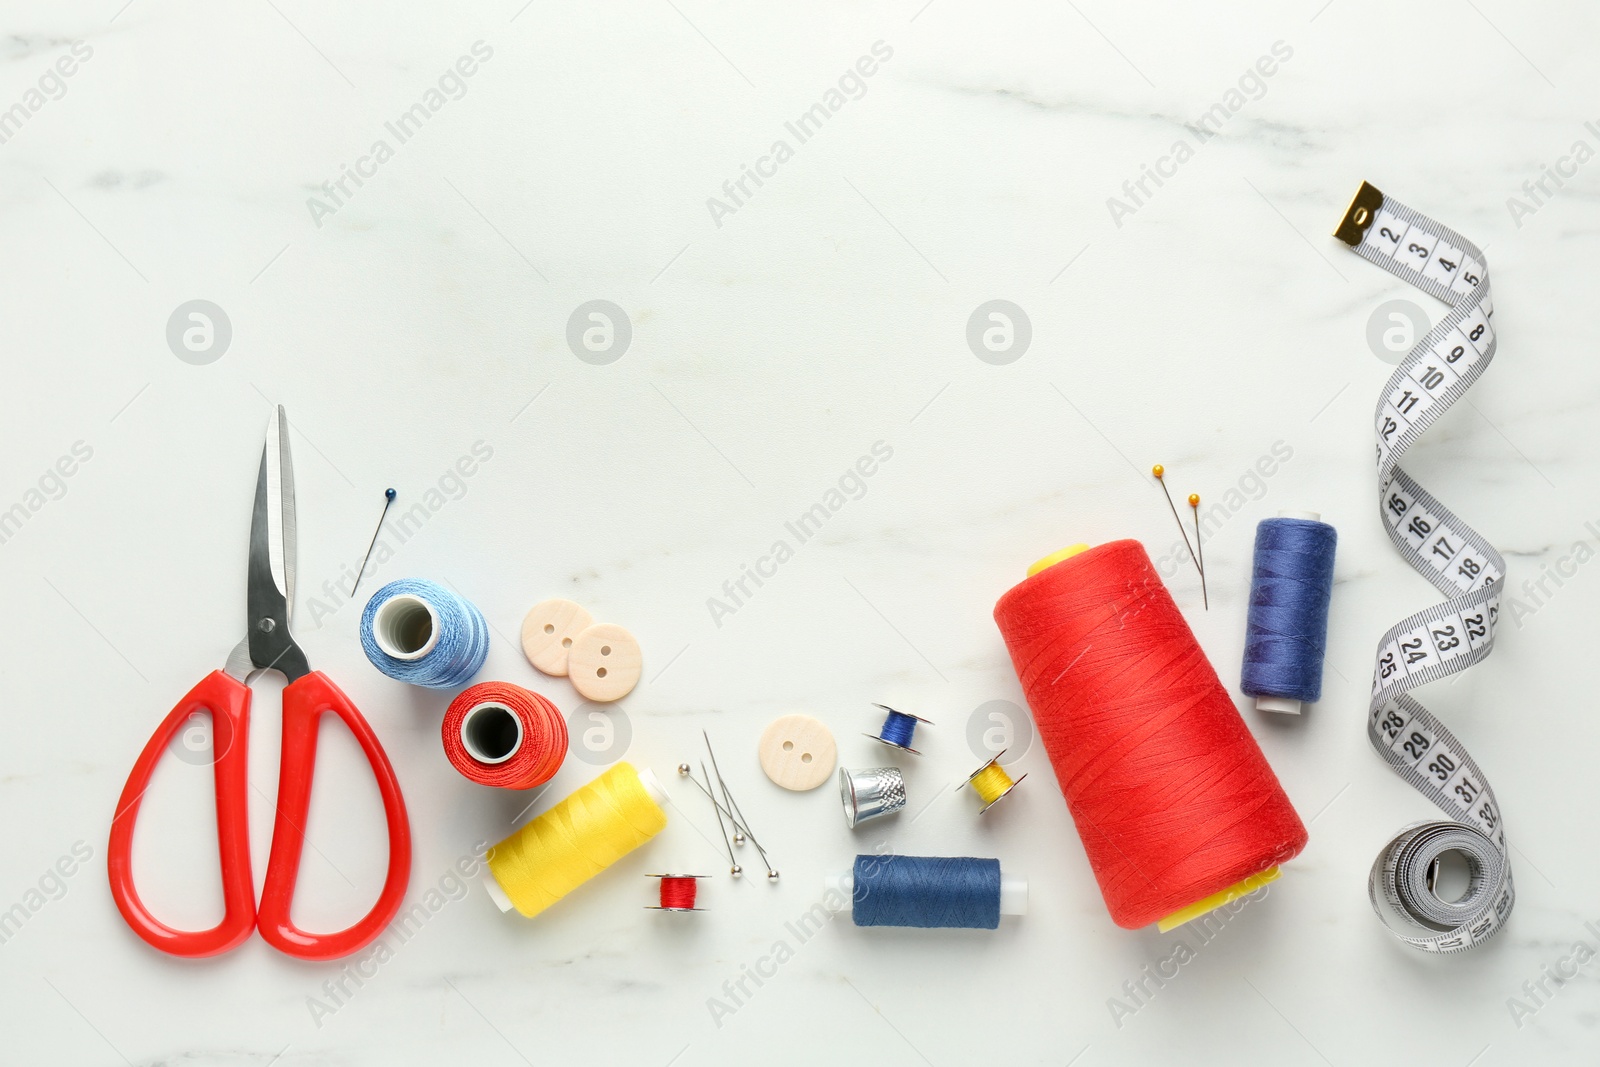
x=1217 y=900
x=1056 y=557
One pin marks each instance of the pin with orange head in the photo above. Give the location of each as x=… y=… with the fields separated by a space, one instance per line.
x=1159 y=472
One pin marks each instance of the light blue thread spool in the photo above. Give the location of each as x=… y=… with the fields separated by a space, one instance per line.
x=417 y=631
x=1286 y=636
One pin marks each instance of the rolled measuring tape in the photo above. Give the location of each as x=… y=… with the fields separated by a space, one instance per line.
x=1448 y=637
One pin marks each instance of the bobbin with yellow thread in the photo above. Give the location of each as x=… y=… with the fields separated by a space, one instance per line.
x=1207 y=905
x=991 y=782
x=575 y=840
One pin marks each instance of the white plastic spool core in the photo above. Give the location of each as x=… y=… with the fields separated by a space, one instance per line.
x=406 y=627
x=652 y=785
x=491 y=733
x=497 y=894
x=1013 y=892
x=1287 y=705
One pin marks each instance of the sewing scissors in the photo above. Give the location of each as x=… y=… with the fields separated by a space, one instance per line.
x=225 y=695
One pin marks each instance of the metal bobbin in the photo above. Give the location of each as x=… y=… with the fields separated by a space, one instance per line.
x=663 y=878
x=897 y=729
x=871 y=793
x=994 y=785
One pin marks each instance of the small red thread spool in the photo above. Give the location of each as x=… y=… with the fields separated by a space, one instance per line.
x=500 y=734
x=1171 y=794
x=678 y=892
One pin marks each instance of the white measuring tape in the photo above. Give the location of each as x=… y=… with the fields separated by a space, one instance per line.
x=1448 y=637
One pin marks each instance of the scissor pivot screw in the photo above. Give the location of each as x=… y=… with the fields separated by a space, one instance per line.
x=266 y=626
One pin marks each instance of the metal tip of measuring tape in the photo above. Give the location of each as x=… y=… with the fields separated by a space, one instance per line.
x=1359 y=215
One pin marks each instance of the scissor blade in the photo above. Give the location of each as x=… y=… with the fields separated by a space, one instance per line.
x=270 y=594
x=278 y=471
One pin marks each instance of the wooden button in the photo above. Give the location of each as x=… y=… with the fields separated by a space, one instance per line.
x=797 y=752
x=604 y=662
x=548 y=631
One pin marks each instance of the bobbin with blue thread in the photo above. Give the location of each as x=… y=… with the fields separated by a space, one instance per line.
x=1286 y=635
x=926 y=892
x=420 y=632
x=991 y=782
x=870 y=793
x=898 y=728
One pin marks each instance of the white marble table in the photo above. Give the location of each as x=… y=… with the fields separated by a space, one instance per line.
x=961 y=154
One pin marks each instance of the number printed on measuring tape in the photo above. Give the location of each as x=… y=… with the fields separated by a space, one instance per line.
x=1450 y=636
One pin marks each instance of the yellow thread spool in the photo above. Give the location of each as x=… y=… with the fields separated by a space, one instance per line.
x=577 y=839
x=991 y=782
x=1241 y=888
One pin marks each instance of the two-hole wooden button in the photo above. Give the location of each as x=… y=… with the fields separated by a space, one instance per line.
x=549 y=631
x=797 y=752
x=604 y=662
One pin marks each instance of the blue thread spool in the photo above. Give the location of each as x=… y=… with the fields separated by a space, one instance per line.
x=1286 y=636
x=898 y=729
x=928 y=892
x=417 y=631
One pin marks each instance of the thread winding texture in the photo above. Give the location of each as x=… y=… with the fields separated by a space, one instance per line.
x=678 y=893
x=991 y=782
x=926 y=891
x=576 y=840
x=1291 y=583
x=543 y=736
x=462 y=637
x=898 y=728
x=1170 y=792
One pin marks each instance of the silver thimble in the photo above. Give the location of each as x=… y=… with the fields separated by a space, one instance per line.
x=870 y=792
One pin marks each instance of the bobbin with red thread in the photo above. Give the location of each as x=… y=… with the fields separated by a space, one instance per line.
x=502 y=735
x=678 y=892
x=1172 y=796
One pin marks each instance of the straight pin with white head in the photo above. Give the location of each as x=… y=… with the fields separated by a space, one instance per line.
x=734 y=868
x=741 y=823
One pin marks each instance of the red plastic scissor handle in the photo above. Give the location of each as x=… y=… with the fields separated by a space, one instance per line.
x=304 y=702
x=227 y=701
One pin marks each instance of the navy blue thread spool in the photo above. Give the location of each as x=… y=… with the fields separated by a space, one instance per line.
x=898 y=728
x=928 y=892
x=1286 y=636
